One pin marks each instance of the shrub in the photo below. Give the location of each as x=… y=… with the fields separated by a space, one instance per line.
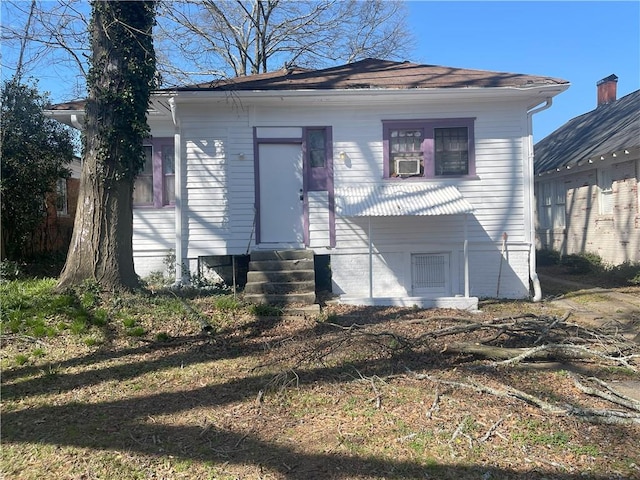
x=579 y=264
x=547 y=257
x=626 y=273
x=9 y=270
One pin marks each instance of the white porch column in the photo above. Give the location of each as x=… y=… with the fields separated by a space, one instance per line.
x=466 y=257
x=177 y=155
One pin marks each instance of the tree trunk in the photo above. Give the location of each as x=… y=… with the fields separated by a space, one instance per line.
x=120 y=82
x=101 y=247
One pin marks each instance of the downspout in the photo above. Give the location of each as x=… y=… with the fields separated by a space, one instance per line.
x=75 y=121
x=537 y=290
x=178 y=195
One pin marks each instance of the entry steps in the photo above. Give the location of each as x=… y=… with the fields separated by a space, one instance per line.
x=281 y=277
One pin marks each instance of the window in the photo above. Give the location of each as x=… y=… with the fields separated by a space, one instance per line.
x=452 y=151
x=61 y=196
x=316 y=144
x=169 y=174
x=155 y=184
x=405 y=152
x=551 y=204
x=429 y=148
x=317 y=147
x=143 y=187
x=605 y=183
x=560 y=210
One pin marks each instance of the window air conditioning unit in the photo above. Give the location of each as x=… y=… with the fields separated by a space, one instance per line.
x=407 y=166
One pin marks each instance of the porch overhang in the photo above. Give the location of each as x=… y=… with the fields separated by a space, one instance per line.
x=407 y=199
x=400 y=199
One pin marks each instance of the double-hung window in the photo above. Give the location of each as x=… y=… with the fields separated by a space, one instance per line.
x=551 y=197
x=429 y=148
x=605 y=184
x=155 y=184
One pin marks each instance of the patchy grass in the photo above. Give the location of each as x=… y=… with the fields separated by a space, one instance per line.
x=264 y=395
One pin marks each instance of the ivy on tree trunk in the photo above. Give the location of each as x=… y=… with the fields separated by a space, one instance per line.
x=120 y=82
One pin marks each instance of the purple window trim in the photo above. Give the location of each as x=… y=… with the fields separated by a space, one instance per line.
x=321 y=179
x=158 y=172
x=428 y=126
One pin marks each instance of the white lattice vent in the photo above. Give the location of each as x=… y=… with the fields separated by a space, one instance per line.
x=430 y=273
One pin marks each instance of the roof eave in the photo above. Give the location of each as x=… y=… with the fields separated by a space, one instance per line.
x=533 y=91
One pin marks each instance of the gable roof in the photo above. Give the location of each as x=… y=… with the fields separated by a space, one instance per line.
x=374 y=73
x=609 y=128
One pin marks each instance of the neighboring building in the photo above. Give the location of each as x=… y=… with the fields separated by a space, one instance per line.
x=405 y=177
x=587 y=180
x=54 y=235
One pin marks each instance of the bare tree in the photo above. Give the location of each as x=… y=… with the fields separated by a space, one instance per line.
x=48 y=38
x=240 y=37
x=199 y=39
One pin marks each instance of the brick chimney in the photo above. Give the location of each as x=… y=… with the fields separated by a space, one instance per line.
x=607 y=90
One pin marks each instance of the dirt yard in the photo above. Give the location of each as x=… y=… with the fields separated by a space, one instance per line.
x=516 y=391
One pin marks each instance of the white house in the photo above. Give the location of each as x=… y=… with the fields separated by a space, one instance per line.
x=415 y=181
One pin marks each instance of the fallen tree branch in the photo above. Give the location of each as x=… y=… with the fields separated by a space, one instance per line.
x=569 y=352
x=505 y=391
x=491 y=430
x=371 y=380
x=24 y=338
x=510 y=356
x=611 y=396
x=434 y=405
x=458 y=430
x=550 y=327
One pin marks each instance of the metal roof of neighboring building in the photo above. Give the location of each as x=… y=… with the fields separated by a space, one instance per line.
x=400 y=199
x=609 y=128
x=375 y=73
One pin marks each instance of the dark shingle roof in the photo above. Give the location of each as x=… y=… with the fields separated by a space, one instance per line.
x=365 y=74
x=374 y=73
x=607 y=129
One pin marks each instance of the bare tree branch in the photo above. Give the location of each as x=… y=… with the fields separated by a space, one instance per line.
x=255 y=36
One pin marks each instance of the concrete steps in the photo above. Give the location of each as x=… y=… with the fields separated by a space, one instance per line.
x=281 y=277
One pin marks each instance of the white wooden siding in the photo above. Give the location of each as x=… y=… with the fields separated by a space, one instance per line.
x=153 y=238
x=219 y=188
x=319 y=235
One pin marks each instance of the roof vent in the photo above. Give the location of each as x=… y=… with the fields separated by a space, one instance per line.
x=607 y=90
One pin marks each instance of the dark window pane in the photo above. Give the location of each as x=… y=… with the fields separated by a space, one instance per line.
x=143 y=187
x=168 y=160
x=451 y=151
x=168 y=170
x=316 y=145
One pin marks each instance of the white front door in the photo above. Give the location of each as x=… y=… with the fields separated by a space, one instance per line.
x=281 y=205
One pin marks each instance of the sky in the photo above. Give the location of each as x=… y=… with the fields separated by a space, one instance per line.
x=581 y=42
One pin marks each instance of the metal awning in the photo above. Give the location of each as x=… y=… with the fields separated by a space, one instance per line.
x=400 y=199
